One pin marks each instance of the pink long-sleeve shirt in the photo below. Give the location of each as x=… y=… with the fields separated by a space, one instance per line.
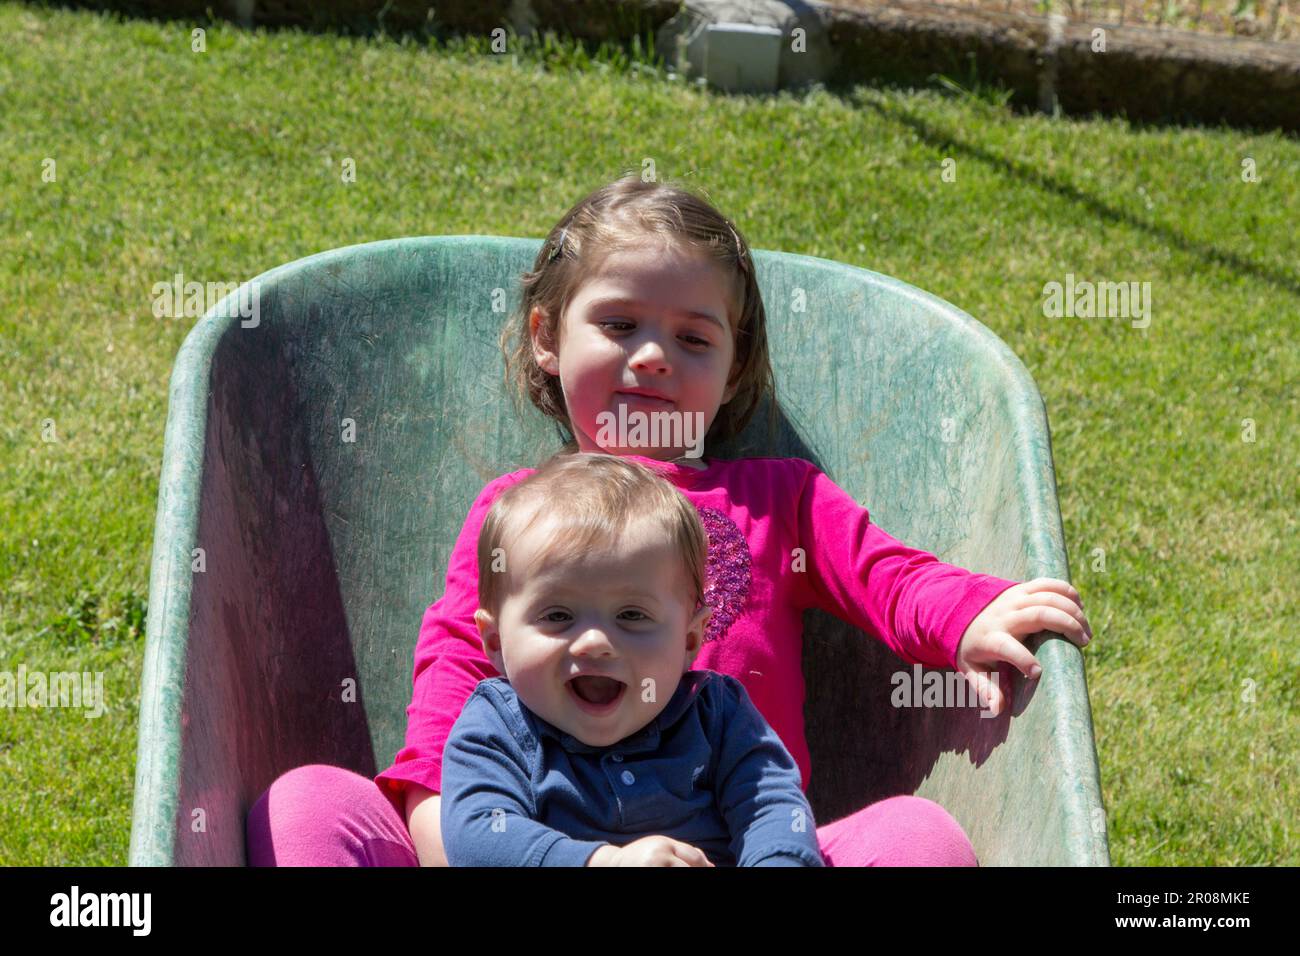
x=756 y=511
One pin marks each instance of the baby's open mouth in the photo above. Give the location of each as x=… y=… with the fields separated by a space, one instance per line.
x=597 y=690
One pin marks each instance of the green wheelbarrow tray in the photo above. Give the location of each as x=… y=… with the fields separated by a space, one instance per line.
x=323 y=448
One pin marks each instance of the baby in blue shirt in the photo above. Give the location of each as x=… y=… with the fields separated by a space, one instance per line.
x=600 y=746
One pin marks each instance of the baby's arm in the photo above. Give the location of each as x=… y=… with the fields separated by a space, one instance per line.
x=487 y=813
x=423 y=819
x=758 y=789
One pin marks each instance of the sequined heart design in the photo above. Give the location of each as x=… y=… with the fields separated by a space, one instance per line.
x=727 y=574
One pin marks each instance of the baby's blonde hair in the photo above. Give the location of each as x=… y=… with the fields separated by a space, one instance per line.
x=629 y=213
x=594 y=498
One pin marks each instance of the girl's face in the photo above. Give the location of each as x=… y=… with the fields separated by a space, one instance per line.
x=620 y=618
x=651 y=332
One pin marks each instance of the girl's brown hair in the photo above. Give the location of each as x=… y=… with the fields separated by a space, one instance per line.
x=623 y=215
x=595 y=499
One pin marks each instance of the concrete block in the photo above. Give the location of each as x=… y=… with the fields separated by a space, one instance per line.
x=742 y=57
x=732 y=44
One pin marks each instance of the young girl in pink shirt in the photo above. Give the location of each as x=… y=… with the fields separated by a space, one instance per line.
x=642 y=306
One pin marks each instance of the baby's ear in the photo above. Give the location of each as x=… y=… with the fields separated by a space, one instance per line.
x=695 y=632
x=488 y=632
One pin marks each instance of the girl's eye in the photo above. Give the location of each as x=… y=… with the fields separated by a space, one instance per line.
x=693 y=340
x=635 y=616
x=556 y=617
x=622 y=326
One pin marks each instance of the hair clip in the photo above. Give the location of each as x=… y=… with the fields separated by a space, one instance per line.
x=559 y=245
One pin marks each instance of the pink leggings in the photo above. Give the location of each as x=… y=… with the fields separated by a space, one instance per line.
x=320 y=815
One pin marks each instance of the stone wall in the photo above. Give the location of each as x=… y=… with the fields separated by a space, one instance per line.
x=1143 y=73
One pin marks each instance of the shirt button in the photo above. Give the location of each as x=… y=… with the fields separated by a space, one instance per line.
x=618 y=758
x=628 y=777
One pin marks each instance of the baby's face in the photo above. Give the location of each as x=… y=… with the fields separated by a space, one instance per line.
x=623 y=614
x=650 y=331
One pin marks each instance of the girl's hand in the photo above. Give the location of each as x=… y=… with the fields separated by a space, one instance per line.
x=996 y=634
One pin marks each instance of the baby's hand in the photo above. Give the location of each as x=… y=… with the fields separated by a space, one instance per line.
x=657 y=851
x=1043 y=604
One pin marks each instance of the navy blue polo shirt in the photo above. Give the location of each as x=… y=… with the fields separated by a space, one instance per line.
x=709 y=771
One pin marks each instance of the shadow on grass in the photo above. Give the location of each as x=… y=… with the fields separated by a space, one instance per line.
x=1286 y=281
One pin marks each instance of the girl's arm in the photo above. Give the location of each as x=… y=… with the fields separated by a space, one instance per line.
x=449 y=660
x=423 y=819
x=918 y=605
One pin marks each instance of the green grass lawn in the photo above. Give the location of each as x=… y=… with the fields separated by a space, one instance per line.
x=222 y=164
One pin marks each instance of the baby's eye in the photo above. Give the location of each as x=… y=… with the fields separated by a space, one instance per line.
x=557 y=617
x=695 y=341
x=634 y=615
x=610 y=324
